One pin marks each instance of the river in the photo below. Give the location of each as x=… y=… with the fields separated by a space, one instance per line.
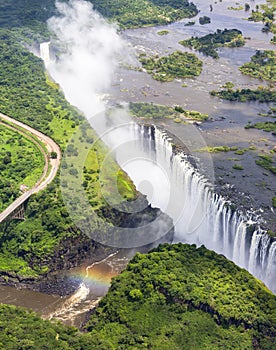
x=226 y=127
x=94 y=280
x=227 y=119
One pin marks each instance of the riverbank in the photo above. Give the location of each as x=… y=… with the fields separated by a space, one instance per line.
x=72 y=252
x=146 y=307
x=250 y=188
x=237 y=176
x=226 y=127
x=78 y=248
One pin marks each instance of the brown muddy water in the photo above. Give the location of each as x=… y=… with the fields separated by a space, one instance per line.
x=225 y=128
x=94 y=280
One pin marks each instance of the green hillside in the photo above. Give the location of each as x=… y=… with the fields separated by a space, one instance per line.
x=127 y=13
x=175 y=297
x=28 y=248
x=180 y=297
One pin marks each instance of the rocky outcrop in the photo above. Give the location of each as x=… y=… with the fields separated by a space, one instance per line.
x=77 y=248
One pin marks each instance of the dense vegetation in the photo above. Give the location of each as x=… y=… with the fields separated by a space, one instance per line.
x=22 y=329
x=175 y=297
x=25 y=13
x=209 y=43
x=261 y=94
x=204 y=20
x=262 y=65
x=267 y=162
x=27 y=94
x=180 y=297
x=151 y=111
x=176 y=65
x=266 y=13
x=216 y=149
x=127 y=13
x=25 y=91
x=139 y=13
x=21 y=163
x=154 y=111
x=266 y=126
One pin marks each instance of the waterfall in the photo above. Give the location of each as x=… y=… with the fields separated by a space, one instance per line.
x=271 y=262
x=45 y=52
x=200 y=215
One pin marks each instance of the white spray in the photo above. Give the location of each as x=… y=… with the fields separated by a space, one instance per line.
x=90 y=50
x=84 y=70
x=45 y=53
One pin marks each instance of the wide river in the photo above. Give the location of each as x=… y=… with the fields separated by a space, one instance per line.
x=226 y=127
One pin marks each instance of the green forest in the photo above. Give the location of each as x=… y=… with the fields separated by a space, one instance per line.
x=131 y=14
x=26 y=93
x=209 y=43
x=261 y=94
x=21 y=163
x=144 y=110
x=127 y=13
x=265 y=13
x=262 y=65
x=176 y=65
x=174 y=297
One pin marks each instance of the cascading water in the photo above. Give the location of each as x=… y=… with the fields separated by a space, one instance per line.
x=218 y=228
x=45 y=52
x=171 y=183
x=200 y=215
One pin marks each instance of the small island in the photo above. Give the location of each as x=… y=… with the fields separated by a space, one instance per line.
x=144 y=110
x=262 y=65
x=163 y=32
x=204 y=20
x=265 y=13
x=209 y=43
x=176 y=65
x=261 y=94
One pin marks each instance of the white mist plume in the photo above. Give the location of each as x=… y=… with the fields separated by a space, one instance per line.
x=91 y=47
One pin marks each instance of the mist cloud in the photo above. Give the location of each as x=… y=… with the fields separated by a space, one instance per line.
x=91 y=48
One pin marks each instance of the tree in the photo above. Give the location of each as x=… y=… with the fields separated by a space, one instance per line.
x=53 y=155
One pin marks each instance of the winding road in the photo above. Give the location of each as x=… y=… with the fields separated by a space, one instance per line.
x=50 y=169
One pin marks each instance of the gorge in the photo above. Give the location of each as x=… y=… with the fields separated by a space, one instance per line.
x=174 y=176
x=169 y=180
x=174 y=185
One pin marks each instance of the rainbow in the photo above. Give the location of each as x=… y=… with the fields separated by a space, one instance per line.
x=96 y=277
